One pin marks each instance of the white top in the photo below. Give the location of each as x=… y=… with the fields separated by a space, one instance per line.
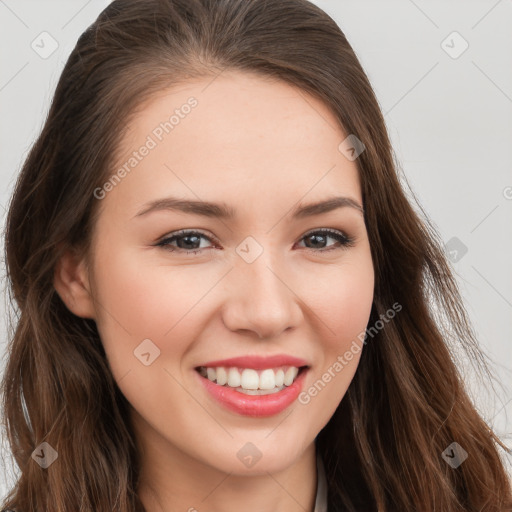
x=321 y=488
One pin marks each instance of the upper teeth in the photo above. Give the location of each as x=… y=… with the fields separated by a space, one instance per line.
x=248 y=378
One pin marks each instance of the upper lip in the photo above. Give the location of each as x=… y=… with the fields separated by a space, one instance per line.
x=258 y=362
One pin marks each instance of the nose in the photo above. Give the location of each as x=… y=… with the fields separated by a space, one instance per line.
x=261 y=299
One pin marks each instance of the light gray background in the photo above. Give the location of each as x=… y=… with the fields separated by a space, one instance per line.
x=450 y=120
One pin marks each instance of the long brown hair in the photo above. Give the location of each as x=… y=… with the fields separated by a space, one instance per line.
x=407 y=403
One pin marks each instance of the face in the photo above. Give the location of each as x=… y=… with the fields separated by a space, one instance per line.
x=176 y=289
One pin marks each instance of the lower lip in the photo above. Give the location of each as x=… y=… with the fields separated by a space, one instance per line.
x=255 y=405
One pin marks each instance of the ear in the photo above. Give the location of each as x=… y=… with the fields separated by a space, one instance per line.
x=71 y=281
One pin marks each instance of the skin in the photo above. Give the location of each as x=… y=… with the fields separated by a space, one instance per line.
x=261 y=146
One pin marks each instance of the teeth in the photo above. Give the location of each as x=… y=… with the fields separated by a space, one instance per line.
x=267 y=379
x=290 y=375
x=222 y=376
x=211 y=373
x=250 y=381
x=234 y=378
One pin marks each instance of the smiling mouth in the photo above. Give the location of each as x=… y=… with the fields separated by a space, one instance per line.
x=251 y=381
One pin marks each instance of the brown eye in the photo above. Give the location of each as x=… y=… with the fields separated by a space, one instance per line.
x=188 y=242
x=318 y=239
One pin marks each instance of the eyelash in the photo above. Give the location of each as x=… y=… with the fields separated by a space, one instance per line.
x=343 y=239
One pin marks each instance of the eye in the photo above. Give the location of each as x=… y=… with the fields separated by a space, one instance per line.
x=320 y=236
x=189 y=242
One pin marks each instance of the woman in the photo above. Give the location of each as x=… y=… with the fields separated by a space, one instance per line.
x=188 y=337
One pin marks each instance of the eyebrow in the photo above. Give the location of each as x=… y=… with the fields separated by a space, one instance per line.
x=223 y=211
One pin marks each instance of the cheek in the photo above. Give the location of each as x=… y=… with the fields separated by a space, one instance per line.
x=137 y=303
x=351 y=307
x=343 y=300
x=147 y=300
x=343 y=309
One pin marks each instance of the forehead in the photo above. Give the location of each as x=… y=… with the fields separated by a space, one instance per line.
x=234 y=138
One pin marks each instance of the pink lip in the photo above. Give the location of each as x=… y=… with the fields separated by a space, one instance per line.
x=258 y=362
x=254 y=405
